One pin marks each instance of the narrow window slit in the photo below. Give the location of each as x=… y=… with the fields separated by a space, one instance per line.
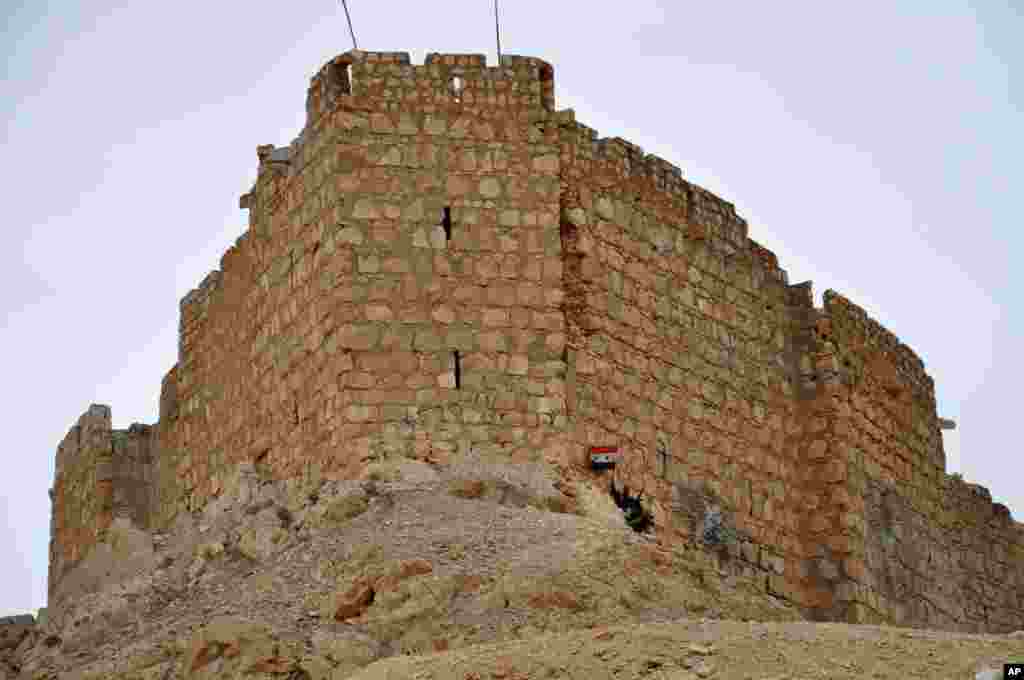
x=446 y=222
x=458 y=371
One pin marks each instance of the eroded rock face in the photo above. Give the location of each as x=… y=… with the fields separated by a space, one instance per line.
x=12 y=633
x=15 y=635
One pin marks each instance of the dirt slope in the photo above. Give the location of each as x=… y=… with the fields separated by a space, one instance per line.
x=470 y=571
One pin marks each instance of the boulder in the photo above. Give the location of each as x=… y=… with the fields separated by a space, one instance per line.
x=355 y=601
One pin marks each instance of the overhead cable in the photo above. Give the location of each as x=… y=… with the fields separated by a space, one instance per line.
x=350 y=31
x=497 y=31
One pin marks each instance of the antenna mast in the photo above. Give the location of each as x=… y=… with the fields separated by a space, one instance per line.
x=497 y=31
x=349 y=18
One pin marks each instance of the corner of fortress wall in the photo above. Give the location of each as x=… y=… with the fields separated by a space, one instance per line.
x=101 y=473
x=918 y=545
x=442 y=262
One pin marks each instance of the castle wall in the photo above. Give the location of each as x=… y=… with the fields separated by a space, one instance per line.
x=727 y=390
x=442 y=265
x=81 y=504
x=386 y=247
x=684 y=354
x=101 y=473
x=956 y=565
x=911 y=544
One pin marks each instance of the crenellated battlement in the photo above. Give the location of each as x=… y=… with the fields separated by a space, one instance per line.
x=692 y=206
x=858 y=328
x=442 y=80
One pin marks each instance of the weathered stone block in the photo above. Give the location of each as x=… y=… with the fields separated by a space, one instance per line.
x=518 y=364
x=369 y=264
x=379 y=313
x=490 y=187
x=427 y=341
x=359 y=336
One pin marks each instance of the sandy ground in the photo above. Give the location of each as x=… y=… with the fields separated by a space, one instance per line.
x=684 y=649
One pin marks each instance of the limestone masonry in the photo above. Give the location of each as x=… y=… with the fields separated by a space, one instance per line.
x=443 y=264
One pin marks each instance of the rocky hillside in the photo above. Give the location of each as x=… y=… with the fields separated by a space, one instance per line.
x=470 y=571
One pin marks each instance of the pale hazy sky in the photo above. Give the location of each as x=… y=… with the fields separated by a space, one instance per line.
x=874 y=146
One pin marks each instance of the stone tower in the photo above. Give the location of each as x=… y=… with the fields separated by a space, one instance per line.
x=442 y=265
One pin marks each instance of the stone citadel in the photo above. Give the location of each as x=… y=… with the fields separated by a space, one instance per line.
x=443 y=265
